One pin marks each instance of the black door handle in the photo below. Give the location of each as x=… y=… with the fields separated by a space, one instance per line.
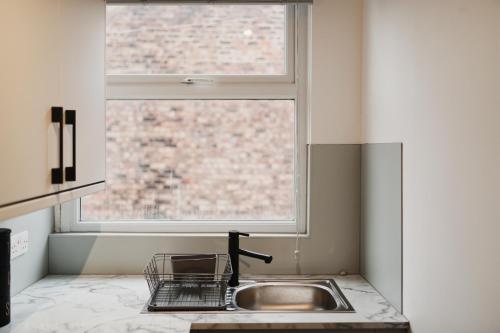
x=57 y=173
x=70 y=119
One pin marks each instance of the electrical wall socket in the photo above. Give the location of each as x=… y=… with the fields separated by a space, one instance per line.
x=19 y=244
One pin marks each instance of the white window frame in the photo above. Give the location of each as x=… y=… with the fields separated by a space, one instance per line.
x=292 y=86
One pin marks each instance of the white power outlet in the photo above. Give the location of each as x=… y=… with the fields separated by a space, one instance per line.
x=19 y=244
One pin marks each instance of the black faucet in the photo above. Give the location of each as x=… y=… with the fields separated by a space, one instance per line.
x=234 y=253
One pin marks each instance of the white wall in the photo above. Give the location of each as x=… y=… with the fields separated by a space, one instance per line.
x=432 y=81
x=336 y=71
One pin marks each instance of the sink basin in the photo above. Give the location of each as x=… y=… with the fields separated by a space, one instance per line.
x=289 y=296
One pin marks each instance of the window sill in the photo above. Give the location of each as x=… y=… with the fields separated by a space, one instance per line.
x=163 y=234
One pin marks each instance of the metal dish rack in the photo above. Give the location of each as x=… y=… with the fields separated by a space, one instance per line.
x=188 y=281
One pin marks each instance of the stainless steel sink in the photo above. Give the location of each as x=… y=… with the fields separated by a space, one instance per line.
x=288 y=296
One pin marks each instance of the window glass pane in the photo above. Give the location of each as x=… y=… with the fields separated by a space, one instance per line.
x=195 y=39
x=197 y=160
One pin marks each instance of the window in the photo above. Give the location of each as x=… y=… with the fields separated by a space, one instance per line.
x=205 y=120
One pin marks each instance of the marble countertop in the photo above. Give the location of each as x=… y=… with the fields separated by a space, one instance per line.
x=113 y=304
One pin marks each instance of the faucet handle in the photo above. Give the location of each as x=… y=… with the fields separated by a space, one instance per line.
x=236 y=233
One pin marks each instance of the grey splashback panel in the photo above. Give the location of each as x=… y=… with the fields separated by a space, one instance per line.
x=381 y=219
x=332 y=245
x=33 y=265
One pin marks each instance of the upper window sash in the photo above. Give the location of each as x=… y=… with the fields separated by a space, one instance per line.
x=121 y=2
x=218 y=79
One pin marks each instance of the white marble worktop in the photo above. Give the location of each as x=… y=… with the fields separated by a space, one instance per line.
x=113 y=304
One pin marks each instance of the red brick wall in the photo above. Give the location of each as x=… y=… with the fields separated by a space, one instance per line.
x=194 y=39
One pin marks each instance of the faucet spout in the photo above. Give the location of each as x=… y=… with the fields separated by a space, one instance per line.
x=264 y=257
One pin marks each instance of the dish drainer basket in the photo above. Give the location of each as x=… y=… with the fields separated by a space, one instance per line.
x=188 y=281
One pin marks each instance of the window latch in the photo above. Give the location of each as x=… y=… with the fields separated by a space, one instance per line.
x=192 y=80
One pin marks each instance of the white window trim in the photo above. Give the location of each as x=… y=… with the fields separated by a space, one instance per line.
x=294 y=85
